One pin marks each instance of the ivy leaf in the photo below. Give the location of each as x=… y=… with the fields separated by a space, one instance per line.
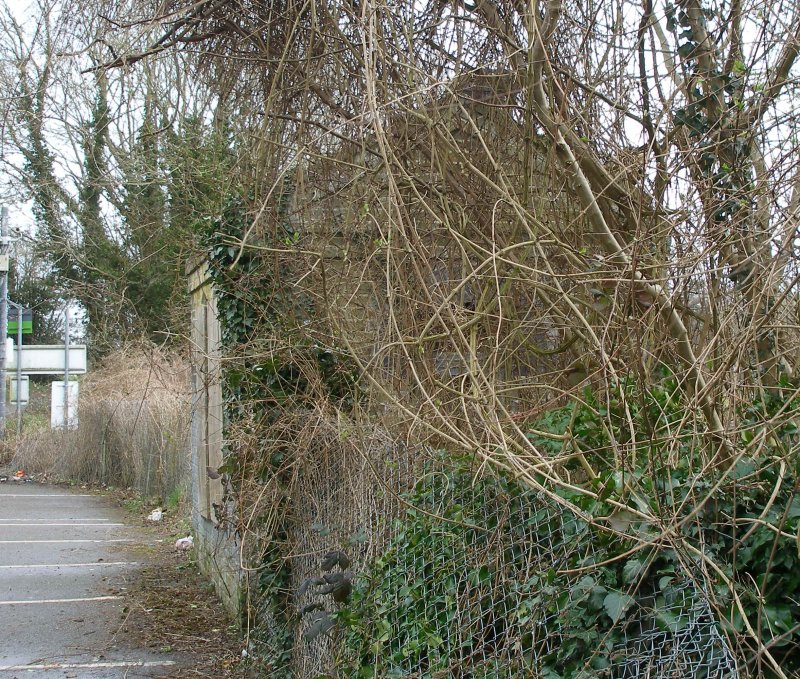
x=359 y=537
x=632 y=571
x=744 y=468
x=687 y=49
x=692 y=118
x=320 y=529
x=778 y=615
x=665 y=581
x=672 y=21
x=794 y=508
x=321 y=623
x=615 y=605
x=671 y=621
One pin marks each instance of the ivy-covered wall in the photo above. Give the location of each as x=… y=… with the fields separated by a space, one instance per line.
x=372 y=552
x=287 y=467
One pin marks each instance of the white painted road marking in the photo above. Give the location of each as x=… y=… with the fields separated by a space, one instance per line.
x=86 y=518
x=88 y=665
x=31 y=525
x=37 y=637
x=73 y=565
x=59 y=601
x=39 y=542
x=37 y=496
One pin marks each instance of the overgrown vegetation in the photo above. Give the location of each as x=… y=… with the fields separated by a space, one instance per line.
x=290 y=375
x=133 y=429
x=555 y=240
x=488 y=578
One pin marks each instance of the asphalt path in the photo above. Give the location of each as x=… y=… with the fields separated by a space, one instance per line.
x=66 y=559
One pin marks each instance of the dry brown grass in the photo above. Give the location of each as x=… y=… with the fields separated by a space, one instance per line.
x=134 y=419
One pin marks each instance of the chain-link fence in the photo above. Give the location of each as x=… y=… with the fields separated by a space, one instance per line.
x=477 y=576
x=675 y=637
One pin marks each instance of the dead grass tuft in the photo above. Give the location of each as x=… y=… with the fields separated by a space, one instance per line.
x=134 y=419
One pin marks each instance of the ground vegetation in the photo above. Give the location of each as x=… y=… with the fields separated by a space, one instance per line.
x=508 y=286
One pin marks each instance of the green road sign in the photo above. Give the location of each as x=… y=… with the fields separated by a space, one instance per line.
x=27 y=321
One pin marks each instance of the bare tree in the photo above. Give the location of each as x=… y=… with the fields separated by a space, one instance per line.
x=91 y=148
x=490 y=206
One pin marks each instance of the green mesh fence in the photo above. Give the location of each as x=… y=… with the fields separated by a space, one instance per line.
x=482 y=578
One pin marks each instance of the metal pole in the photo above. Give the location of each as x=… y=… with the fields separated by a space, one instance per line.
x=19 y=369
x=3 y=318
x=66 y=365
x=18 y=309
